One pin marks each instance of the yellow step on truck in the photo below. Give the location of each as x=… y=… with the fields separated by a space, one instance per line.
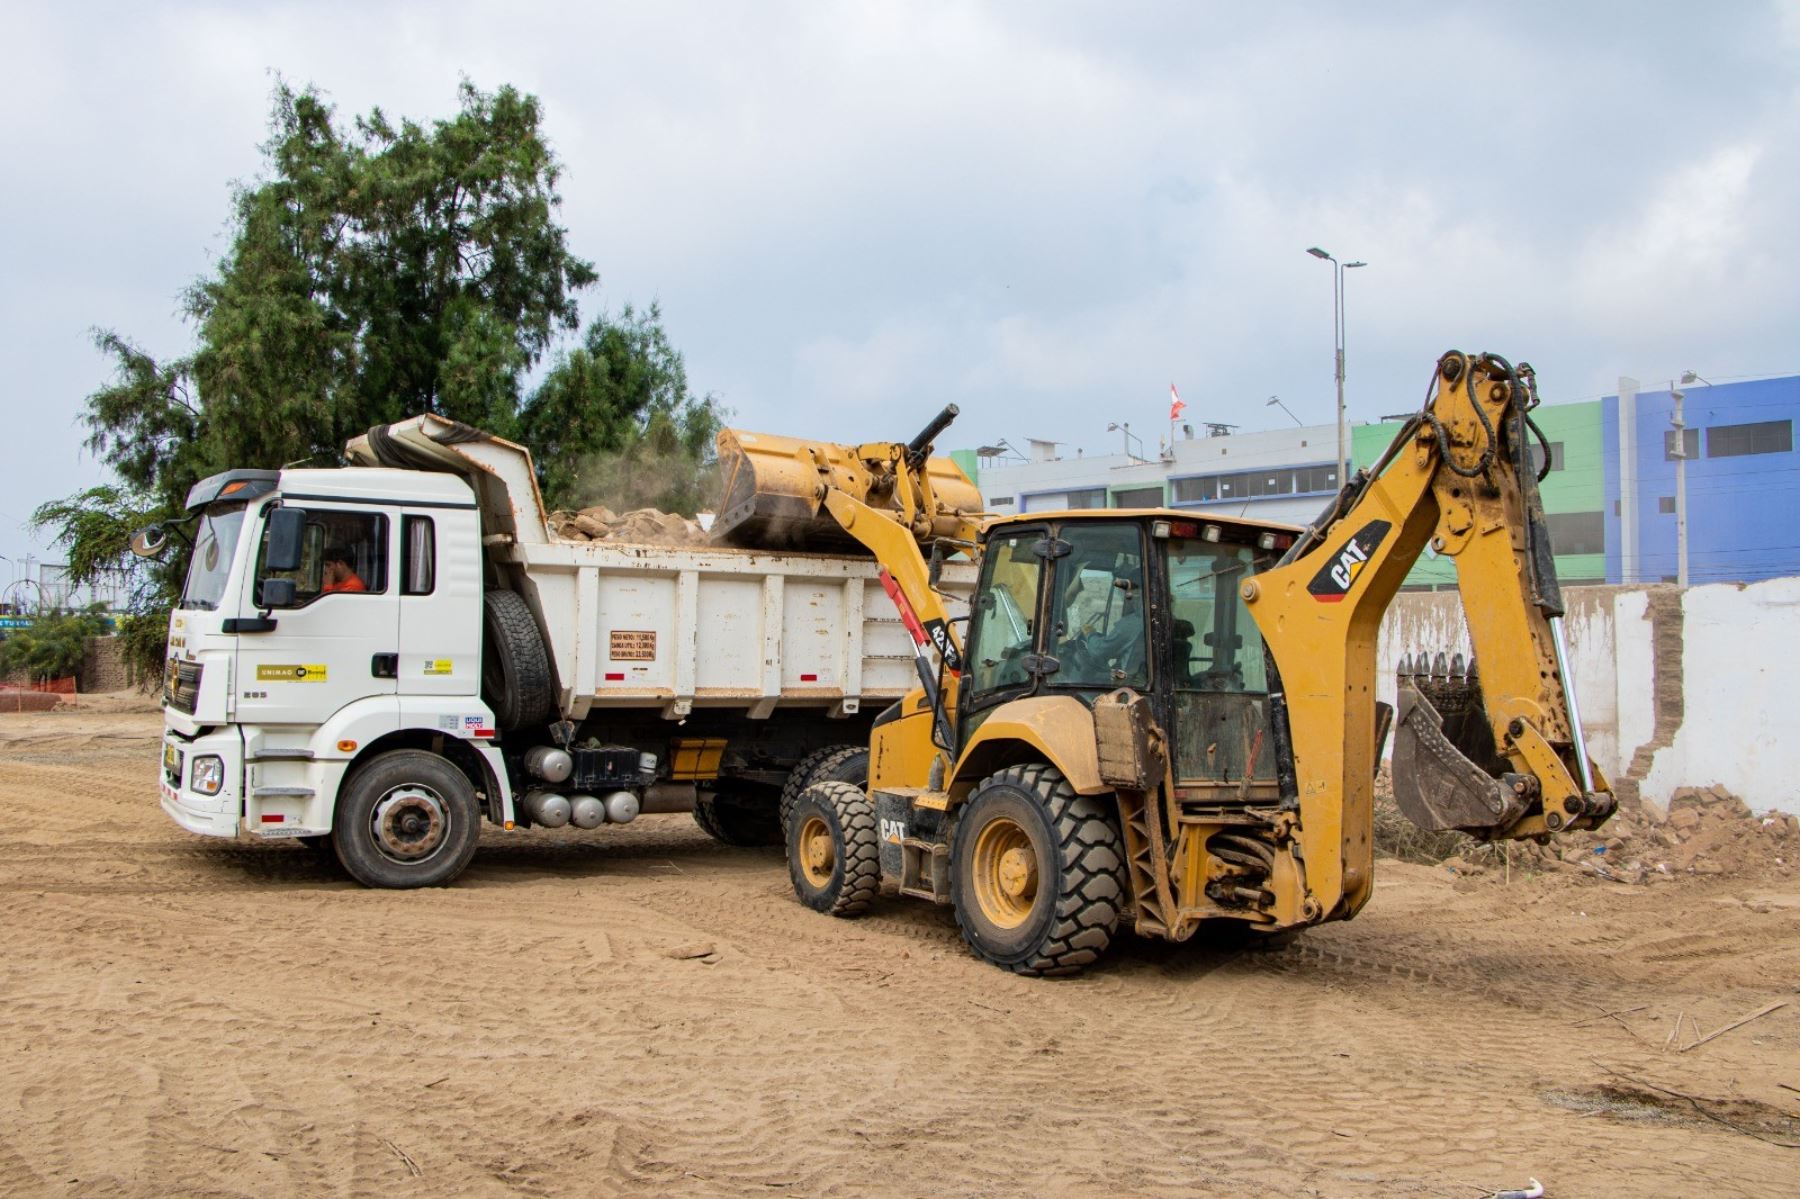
x=380 y=658
x=1163 y=720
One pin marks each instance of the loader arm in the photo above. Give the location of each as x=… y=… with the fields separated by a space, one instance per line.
x=1512 y=762
x=891 y=498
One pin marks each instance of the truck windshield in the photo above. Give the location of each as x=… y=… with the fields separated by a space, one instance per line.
x=214 y=544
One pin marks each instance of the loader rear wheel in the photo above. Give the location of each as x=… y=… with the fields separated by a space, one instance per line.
x=833 y=764
x=515 y=670
x=739 y=818
x=833 y=856
x=1037 y=873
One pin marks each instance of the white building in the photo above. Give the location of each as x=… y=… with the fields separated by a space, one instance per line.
x=1280 y=474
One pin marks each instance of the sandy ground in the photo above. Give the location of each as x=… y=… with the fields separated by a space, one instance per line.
x=643 y=1011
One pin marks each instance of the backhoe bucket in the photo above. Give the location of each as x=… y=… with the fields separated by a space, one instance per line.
x=1447 y=772
x=774 y=491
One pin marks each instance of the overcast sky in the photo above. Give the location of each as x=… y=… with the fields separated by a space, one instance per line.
x=854 y=213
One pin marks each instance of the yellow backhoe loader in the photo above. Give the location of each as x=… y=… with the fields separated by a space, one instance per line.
x=1168 y=718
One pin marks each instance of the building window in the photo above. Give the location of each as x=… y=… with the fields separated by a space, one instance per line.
x=1138 y=497
x=1736 y=441
x=1690 y=444
x=1256 y=484
x=1666 y=505
x=1000 y=501
x=1577 y=532
x=1537 y=456
x=1093 y=497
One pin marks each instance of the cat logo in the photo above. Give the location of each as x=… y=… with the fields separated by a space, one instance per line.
x=1337 y=576
x=893 y=831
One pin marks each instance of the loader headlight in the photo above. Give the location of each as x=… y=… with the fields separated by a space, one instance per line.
x=209 y=775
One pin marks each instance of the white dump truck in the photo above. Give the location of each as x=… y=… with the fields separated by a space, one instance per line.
x=376 y=658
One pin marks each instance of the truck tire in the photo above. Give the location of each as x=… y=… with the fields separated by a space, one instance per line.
x=833 y=856
x=833 y=764
x=738 y=818
x=407 y=818
x=515 y=670
x=1037 y=872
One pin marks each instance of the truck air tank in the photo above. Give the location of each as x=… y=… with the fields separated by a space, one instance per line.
x=546 y=808
x=549 y=763
x=621 y=807
x=586 y=812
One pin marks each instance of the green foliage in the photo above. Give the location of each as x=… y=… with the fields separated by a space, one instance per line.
x=144 y=640
x=52 y=646
x=614 y=421
x=375 y=271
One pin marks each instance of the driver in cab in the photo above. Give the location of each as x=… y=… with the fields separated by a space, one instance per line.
x=339 y=575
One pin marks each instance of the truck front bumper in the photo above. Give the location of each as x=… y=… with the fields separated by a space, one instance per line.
x=207 y=815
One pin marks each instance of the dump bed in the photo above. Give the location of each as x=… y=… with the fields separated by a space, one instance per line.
x=674 y=628
x=633 y=626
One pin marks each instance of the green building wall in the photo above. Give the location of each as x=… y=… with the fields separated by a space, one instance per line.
x=1575 y=488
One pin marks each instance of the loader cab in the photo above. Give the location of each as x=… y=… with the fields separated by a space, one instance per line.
x=1086 y=603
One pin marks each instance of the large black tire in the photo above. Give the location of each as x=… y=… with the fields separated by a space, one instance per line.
x=833 y=764
x=833 y=856
x=406 y=819
x=515 y=669
x=741 y=818
x=1037 y=872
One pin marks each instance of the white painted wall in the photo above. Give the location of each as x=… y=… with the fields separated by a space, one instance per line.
x=1738 y=728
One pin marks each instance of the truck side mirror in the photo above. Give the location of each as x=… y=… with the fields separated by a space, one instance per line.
x=149 y=542
x=274 y=593
x=287 y=530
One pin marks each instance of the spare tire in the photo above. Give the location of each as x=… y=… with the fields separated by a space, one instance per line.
x=515 y=670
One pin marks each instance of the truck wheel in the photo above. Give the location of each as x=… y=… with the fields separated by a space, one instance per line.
x=736 y=818
x=832 y=851
x=833 y=764
x=515 y=670
x=1037 y=873
x=407 y=819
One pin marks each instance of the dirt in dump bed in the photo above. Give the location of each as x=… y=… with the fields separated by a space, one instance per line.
x=639 y=1010
x=641 y=526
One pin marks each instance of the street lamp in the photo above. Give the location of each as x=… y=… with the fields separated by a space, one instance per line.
x=1337 y=331
x=1129 y=437
x=1680 y=454
x=1275 y=401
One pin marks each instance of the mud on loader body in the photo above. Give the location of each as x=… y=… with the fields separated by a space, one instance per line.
x=1166 y=718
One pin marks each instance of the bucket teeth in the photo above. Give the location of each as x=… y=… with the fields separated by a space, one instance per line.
x=1447 y=768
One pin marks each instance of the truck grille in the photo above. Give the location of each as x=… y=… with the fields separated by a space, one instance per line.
x=181 y=685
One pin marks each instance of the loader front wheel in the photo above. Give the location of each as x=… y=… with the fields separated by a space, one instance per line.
x=1038 y=873
x=834 y=858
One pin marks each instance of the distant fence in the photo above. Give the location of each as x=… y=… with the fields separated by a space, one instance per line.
x=38 y=696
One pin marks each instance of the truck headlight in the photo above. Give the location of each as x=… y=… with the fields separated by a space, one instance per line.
x=208 y=775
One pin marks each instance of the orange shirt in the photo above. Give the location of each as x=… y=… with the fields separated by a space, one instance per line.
x=353 y=583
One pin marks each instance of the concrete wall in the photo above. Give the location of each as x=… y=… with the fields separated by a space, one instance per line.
x=1677 y=689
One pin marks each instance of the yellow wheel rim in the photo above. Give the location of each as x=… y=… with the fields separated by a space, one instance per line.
x=818 y=855
x=1004 y=865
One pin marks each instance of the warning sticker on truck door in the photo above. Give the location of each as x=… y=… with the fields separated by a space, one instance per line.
x=632 y=645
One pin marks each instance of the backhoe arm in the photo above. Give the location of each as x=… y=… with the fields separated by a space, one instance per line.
x=1494 y=749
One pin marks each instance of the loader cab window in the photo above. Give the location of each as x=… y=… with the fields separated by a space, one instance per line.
x=343 y=554
x=1006 y=613
x=1215 y=643
x=1097 y=625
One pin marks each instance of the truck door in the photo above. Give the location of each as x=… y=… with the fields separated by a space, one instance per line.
x=440 y=603
x=339 y=639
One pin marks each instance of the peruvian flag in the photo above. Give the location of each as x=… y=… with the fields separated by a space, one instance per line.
x=1175 y=404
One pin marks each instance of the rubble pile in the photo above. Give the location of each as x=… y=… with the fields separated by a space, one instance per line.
x=1704 y=831
x=642 y=526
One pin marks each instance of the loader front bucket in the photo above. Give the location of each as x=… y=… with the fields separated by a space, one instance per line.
x=1447 y=772
x=773 y=493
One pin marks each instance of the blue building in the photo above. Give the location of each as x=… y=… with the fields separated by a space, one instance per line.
x=1743 y=482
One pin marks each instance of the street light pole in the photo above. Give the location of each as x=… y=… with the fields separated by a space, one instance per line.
x=1677 y=419
x=1337 y=334
x=1275 y=401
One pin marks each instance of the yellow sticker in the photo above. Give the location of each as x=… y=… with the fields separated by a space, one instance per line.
x=309 y=673
x=440 y=666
